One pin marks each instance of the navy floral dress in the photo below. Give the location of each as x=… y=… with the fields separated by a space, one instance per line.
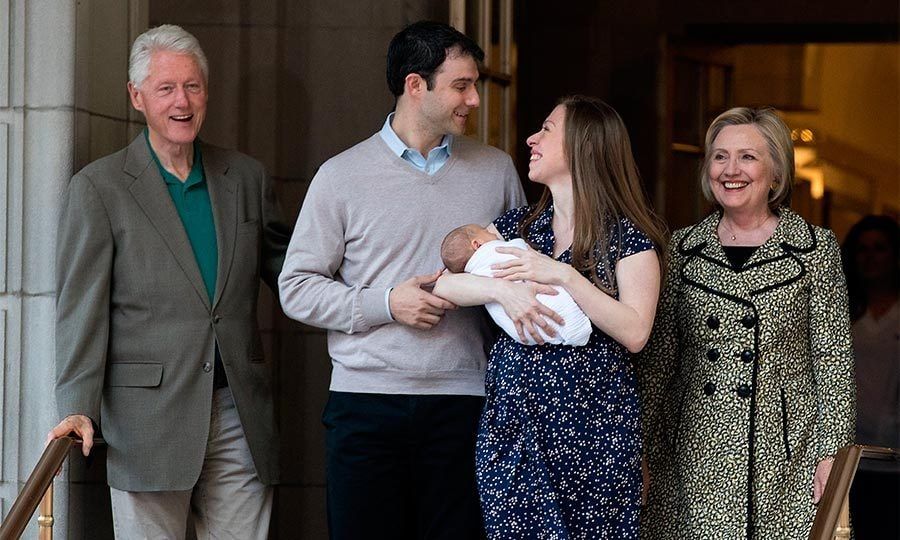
x=559 y=442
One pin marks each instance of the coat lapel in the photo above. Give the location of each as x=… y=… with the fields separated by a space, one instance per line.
x=149 y=190
x=223 y=195
x=706 y=266
x=775 y=264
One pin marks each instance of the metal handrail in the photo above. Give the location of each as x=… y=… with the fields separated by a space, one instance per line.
x=38 y=490
x=833 y=515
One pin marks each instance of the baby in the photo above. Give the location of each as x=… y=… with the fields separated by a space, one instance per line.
x=472 y=249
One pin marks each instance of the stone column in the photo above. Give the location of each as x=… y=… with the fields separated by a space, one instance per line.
x=63 y=68
x=37 y=40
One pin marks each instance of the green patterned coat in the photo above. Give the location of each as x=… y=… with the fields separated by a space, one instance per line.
x=747 y=383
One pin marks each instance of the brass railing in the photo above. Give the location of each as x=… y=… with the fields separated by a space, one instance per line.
x=38 y=490
x=833 y=515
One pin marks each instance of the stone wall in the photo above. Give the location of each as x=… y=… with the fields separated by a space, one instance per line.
x=36 y=141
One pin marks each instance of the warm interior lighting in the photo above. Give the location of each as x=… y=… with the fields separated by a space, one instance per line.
x=803 y=156
x=806 y=161
x=804 y=135
x=816 y=178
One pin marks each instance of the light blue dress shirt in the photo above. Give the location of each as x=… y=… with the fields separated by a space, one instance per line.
x=436 y=159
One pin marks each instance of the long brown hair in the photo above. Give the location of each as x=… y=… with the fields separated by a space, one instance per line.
x=606 y=187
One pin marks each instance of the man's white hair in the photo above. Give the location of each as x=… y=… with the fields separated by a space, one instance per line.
x=166 y=37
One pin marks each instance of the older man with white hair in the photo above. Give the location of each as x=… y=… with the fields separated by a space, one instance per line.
x=161 y=247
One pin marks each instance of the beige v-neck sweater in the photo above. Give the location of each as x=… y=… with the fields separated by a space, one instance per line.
x=370 y=221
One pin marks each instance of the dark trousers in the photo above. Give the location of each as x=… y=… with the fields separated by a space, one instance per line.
x=402 y=467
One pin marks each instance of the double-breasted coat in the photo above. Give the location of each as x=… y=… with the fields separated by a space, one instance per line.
x=136 y=332
x=747 y=383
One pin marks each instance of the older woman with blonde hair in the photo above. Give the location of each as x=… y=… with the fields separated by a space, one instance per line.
x=747 y=382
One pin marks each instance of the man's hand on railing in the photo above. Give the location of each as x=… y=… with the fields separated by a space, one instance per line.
x=80 y=425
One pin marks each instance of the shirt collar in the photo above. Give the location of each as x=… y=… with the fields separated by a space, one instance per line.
x=196 y=175
x=398 y=147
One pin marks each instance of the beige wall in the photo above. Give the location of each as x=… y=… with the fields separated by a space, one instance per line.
x=857 y=126
x=861 y=97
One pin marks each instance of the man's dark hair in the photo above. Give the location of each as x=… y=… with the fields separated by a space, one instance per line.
x=421 y=48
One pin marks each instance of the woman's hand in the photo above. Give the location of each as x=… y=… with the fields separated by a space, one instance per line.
x=820 y=479
x=531 y=266
x=520 y=302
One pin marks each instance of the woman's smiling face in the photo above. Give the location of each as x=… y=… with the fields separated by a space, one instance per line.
x=740 y=168
x=548 y=157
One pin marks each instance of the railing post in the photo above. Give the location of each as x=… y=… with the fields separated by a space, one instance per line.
x=45 y=519
x=832 y=520
x=38 y=484
x=842 y=531
x=834 y=506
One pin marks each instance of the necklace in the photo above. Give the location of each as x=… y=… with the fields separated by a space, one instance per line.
x=733 y=237
x=731 y=232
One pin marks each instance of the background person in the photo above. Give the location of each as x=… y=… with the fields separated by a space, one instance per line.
x=871 y=255
x=559 y=443
x=160 y=251
x=748 y=379
x=872 y=265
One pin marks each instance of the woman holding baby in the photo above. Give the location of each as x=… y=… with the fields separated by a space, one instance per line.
x=559 y=443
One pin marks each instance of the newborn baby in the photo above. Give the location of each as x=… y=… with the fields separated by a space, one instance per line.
x=472 y=249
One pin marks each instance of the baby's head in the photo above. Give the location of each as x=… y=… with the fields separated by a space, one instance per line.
x=458 y=246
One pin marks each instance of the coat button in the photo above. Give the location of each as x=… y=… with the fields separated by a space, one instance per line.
x=749 y=321
x=709 y=388
x=747 y=356
x=217 y=318
x=207 y=367
x=712 y=354
x=713 y=322
x=743 y=391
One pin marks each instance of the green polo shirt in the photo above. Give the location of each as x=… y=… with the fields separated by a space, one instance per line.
x=191 y=199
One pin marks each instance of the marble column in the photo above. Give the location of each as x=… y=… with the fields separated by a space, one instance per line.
x=37 y=52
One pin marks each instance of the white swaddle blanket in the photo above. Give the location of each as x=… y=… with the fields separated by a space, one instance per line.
x=577 y=329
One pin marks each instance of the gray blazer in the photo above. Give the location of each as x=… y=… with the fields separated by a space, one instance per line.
x=135 y=331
